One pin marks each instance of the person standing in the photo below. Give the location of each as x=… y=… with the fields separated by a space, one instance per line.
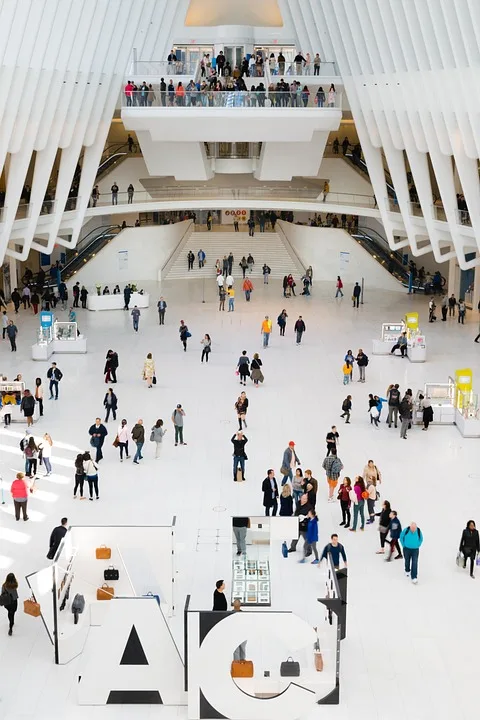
x=243 y=367
x=362 y=362
x=156 y=435
x=286 y=501
x=79 y=476
x=76 y=294
x=184 y=334
x=345 y=502
x=230 y=262
x=405 y=412
x=266 y=329
x=39 y=395
x=45 y=449
x=462 y=310
x=219 y=599
x=336 y=550
x=240 y=526
x=110 y=404
x=393 y=397
x=470 y=545
x=54 y=374
x=130 y=191
x=111 y=366
x=162 y=306
x=358 y=496
x=431 y=310
x=98 y=433
x=190 y=258
x=339 y=286
x=247 y=288
x=282 y=322
x=239 y=440
x=395 y=529
x=9 y=595
x=452 y=301
x=221 y=296
x=27 y=406
x=138 y=437
x=290 y=460
x=444 y=307
x=5 y=323
x=201 y=258
x=270 y=493
x=58 y=533
x=256 y=370
x=346 y=408
x=311 y=539
x=12 y=332
x=332 y=439
x=333 y=467
x=427 y=411
x=357 y=291
x=207 y=347
x=123 y=435
x=241 y=407
x=35 y=302
x=251 y=226
x=383 y=525
x=411 y=539
x=299 y=329
x=177 y=419
x=135 y=317
x=83 y=297
x=149 y=370
x=266 y=272
x=19 y=491
x=114 y=190
x=91 y=475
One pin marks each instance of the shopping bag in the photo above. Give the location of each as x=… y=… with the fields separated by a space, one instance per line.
x=30 y=607
x=242 y=669
x=459 y=560
x=103 y=553
x=105 y=592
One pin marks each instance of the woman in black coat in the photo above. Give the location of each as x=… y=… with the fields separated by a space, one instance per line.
x=110 y=403
x=470 y=545
x=270 y=493
x=383 y=525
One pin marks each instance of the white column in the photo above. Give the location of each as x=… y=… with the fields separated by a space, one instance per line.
x=12 y=263
x=476 y=289
x=453 y=277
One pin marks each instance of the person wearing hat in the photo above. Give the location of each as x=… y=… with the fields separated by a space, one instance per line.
x=290 y=460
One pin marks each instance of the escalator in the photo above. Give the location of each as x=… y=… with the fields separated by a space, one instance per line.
x=359 y=163
x=378 y=248
x=88 y=247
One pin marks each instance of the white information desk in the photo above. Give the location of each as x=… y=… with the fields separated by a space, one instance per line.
x=59 y=347
x=117 y=302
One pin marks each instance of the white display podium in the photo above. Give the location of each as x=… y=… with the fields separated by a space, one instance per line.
x=390 y=333
x=382 y=347
x=417 y=349
x=117 y=302
x=44 y=351
x=468 y=427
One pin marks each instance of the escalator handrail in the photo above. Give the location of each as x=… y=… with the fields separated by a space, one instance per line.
x=400 y=269
x=109 y=230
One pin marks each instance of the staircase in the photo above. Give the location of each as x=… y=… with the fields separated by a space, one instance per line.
x=266 y=247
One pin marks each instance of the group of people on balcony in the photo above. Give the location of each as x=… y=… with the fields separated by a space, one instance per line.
x=254 y=65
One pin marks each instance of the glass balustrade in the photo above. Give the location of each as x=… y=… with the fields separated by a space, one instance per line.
x=183 y=97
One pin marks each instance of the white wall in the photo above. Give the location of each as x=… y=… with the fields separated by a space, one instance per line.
x=321 y=248
x=343 y=178
x=128 y=171
x=148 y=249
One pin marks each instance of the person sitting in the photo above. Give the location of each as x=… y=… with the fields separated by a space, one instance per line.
x=106 y=291
x=116 y=290
x=306 y=285
x=401 y=345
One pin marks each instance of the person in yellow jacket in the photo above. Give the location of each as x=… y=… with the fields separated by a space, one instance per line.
x=347 y=373
x=266 y=330
x=231 y=299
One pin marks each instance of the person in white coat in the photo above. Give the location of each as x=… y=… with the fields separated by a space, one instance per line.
x=123 y=435
x=46 y=448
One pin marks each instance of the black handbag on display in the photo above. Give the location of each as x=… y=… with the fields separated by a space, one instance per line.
x=290 y=668
x=111 y=573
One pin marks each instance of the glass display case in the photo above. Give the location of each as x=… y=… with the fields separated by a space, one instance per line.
x=251 y=582
x=467 y=404
x=442 y=397
x=65 y=331
x=44 y=335
x=391 y=331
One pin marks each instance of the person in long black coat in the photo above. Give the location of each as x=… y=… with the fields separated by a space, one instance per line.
x=470 y=545
x=270 y=493
x=56 y=538
x=97 y=433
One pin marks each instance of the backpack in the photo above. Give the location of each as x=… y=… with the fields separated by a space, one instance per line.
x=394 y=398
x=408 y=530
x=366 y=359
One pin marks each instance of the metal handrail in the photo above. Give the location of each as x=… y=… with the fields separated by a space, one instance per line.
x=175 y=252
x=290 y=249
x=109 y=232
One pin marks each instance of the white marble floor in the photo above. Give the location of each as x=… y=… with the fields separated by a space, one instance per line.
x=410 y=651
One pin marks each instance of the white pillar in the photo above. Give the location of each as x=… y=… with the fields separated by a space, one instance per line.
x=476 y=289
x=453 y=277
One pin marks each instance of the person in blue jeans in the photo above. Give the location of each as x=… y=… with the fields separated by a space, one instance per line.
x=136 y=317
x=289 y=460
x=411 y=539
x=138 y=437
x=298 y=487
x=239 y=441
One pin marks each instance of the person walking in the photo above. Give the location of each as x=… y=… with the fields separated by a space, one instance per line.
x=395 y=529
x=332 y=439
x=231 y=299
x=265 y=272
x=333 y=467
x=339 y=286
x=393 y=397
x=371 y=500
x=207 y=347
x=9 y=597
x=346 y=409
x=39 y=395
x=270 y=493
x=362 y=362
x=358 y=496
x=383 y=525
x=27 y=406
x=290 y=460
x=123 y=435
x=138 y=437
x=149 y=370
x=54 y=374
x=243 y=367
x=462 y=311
x=110 y=404
x=241 y=406
x=98 y=433
x=221 y=296
x=239 y=440
x=161 y=306
x=156 y=435
x=19 y=491
x=111 y=366
x=256 y=370
x=56 y=537
x=286 y=501
x=79 y=477
x=266 y=329
x=251 y=226
x=240 y=526
x=184 y=335
x=135 y=317
x=91 y=475
x=285 y=285
x=469 y=545
x=247 y=288
x=177 y=419
x=299 y=329
x=301 y=513
x=345 y=502
x=405 y=412
x=45 y=453
x=12 y=332
x=244 y=265
x=127 y=294
x=336 y=550
x=311 y=539
x=31 y=457
x=282 y=322
x=411 y=539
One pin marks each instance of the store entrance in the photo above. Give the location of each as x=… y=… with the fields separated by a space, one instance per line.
x=234 y=55
x=191 y=54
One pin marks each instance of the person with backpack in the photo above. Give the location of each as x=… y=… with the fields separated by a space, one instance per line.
x=347 y=407
x=333 y=466
x=339 y=286
x=266 y=272
x=405 y=412
x=394 y=528
x=362 y=362
x=411 y=539
x=393 y=397
x=54 y=374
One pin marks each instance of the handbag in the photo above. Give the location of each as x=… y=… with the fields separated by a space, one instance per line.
x=383 y=529
x=94 y=442
x=111 y=573
x=103 y=553
x=154 y=380
x=290 y=668
x=30 y=607
x=284 y=470
x=188 y=334
x=78 y=606
x=105 y=592
x=318 y=659
x=284 y=549
x=241 y=669
x=116 y=442
x=458 y=559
